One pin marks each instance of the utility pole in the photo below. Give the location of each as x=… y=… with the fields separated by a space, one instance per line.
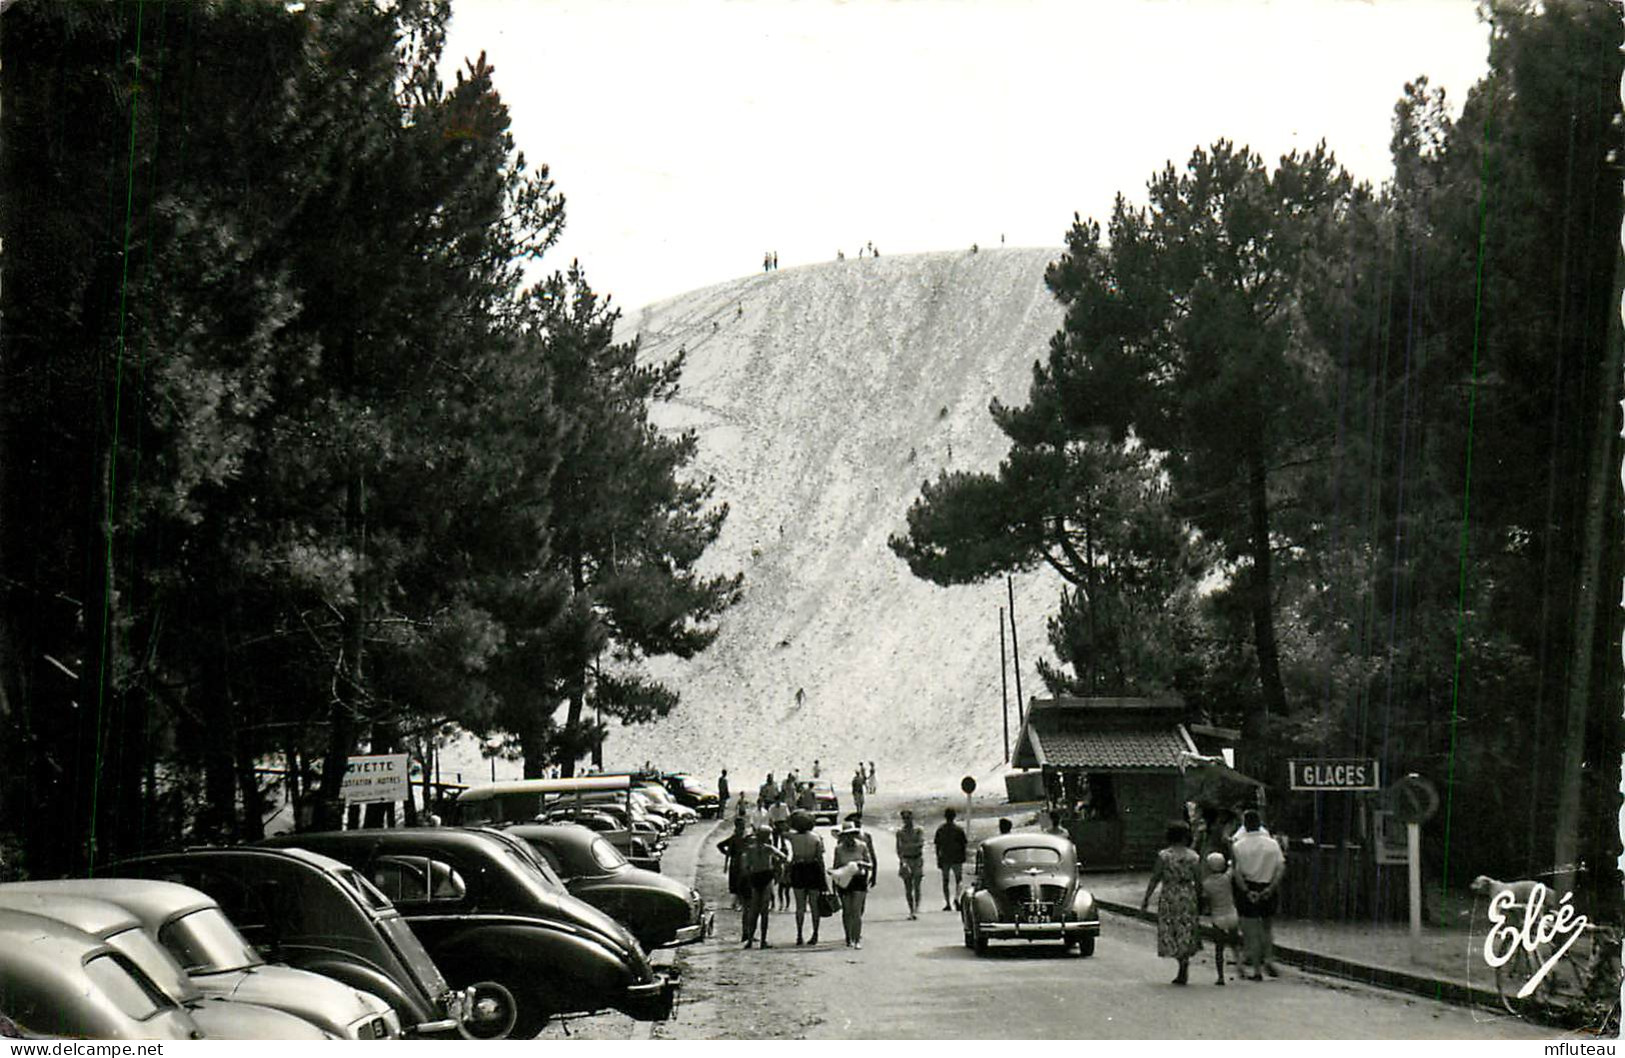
x=1004 y=689
x=1015 y=648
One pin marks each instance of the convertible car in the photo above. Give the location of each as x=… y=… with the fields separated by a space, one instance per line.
x=1026 y=888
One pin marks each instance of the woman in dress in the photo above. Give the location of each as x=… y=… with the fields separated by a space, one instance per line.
x=1179 y=871
x=854 y=866
x=806 y=870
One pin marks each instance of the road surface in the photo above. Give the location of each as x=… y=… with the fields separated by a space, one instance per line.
x=917 y=980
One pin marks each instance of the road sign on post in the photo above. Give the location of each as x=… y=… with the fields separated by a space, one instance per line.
x=968 y=784
x=1414 y=800
x=1340 y=774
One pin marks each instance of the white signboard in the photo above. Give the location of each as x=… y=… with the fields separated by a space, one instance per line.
x=375 y=777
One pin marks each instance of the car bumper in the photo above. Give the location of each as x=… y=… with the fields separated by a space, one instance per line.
x=1040 y=930
x=651 y=1000
x=697 y=931
x=457 y=1005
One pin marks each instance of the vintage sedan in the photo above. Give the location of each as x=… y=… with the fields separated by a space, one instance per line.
x=219 y=962
x=641 y=850
x=313 y=913
x=694 y=794
x=829 y=805
x=492 y=921
x=660 y=911
x=59 y=981
x=222 y=1018
x=1026 y=888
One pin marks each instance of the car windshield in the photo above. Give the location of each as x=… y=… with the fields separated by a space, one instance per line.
x=604 y=854
x=205 y=942
x=1031 y=856
x=156 y=964
x=126 y=986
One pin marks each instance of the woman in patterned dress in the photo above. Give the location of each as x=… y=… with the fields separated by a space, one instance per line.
x=1179 y=871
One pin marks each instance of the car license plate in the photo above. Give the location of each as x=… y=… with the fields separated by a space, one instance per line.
x=1035 y=913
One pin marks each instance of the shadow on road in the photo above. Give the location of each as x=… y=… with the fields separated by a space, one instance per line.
x=1018 y=952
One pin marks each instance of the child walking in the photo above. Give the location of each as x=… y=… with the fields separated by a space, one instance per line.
x=1220 y=899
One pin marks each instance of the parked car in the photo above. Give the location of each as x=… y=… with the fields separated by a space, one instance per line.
x=659 y=911
x=1026 y=888
x=627 y=808
x=317 y=914
x=829 y=805
x=661 y=800
x=639 y=849
x=59 y=981
x=492 y=921
x=220 y=963
x=693 y=793
x=216 y=1018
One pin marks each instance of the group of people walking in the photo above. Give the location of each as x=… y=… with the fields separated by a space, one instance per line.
x=792 y=857
x=774 y=859
x=1239 y=887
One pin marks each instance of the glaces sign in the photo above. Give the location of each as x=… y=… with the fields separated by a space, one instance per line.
x=1333 y=774
x=375 y=777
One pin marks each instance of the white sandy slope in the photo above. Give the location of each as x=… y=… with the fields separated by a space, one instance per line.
x=822 y=397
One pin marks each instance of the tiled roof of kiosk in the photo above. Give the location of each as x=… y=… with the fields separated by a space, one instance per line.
x=1158 y=748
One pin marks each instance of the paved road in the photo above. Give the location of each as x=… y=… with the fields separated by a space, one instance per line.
x=917 y=980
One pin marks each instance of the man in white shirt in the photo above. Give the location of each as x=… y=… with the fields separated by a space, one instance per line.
x=1260 y=864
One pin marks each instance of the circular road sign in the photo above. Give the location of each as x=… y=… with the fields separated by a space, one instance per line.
x=1414 y=799
x=968 y=784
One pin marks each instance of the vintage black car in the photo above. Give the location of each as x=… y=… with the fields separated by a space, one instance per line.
x=641 y=850
x=1026 y=888
x=493 y=923
x=689 y=791
x=659 y=911
x=315 y=913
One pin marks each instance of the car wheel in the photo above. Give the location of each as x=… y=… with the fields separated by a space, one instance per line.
x=495 y=1015
x=970 y=942
x=978 y=941
x=1086 y=946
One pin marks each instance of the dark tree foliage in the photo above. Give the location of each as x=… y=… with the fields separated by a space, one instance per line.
x=1190 y=328
x=1097 y=514
x=280 y=439
x=629 y=530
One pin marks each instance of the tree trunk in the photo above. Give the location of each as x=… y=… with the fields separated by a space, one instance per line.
x=1255 y=725
x=533 y=744
x=252 y=827
x=1588 y=595
x=346 y=707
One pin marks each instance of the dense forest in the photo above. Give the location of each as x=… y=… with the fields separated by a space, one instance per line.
x=295 y=457
x=1340 y=465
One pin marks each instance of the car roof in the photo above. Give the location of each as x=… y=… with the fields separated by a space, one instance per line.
x=306 y=857
x=151 y=901
x=40 y=940
x=431 y=837
x=563 y=834
x=543 y=786
x=1027 y=840
x=98 y=918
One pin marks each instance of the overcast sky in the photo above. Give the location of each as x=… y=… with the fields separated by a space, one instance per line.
x=690 y=136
